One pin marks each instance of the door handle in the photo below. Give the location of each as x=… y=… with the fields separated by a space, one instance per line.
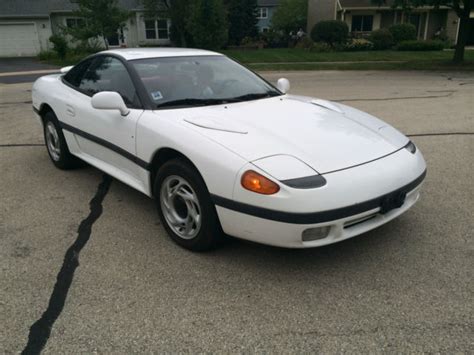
x=70 y=110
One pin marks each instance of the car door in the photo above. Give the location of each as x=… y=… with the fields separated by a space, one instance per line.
x=104 y=138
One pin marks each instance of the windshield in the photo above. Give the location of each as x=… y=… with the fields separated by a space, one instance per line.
x=200 y=80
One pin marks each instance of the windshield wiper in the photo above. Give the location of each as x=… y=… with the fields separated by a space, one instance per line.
x=206 y=102
x=248 y=97
x=191 y=102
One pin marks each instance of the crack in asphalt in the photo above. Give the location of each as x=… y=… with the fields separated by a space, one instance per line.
x=441 y=134
x=40 y=331
x=22 y=145
x=15 y=103
x=398 y=98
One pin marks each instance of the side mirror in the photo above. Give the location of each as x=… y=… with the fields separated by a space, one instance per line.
x=64 y=70
x=283 y=85
x=109 y=100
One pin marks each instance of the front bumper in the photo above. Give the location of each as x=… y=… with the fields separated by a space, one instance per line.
x=360 y=199
x=289 y=235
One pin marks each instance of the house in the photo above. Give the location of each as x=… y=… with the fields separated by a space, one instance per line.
x=265 y=10
x=26 y=25
x=362 y=17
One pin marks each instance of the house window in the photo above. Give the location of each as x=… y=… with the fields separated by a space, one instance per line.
x=265 y=29
x=150 y=29
x=362 y=23
x=262 y=13
x=156 y=29
x=162 y=26
x=74 y=22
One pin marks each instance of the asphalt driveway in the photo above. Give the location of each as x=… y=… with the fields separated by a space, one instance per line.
x=405 y=287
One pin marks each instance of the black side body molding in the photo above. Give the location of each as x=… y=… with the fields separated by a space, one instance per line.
x=316 y=217
x=143 y=164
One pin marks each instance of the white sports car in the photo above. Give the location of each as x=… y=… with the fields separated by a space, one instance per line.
x=222 y=150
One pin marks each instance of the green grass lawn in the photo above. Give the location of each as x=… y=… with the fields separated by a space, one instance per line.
x=300 y=59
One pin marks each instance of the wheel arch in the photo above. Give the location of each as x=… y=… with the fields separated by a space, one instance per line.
x=163 y=155
x=44 y=109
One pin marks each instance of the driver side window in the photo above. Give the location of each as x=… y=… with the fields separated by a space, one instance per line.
x=109 y=74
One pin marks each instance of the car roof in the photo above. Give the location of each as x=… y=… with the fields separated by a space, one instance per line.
x=161 y=52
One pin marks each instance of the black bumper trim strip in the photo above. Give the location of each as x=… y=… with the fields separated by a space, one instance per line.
x=313 y=217
x=143 y=164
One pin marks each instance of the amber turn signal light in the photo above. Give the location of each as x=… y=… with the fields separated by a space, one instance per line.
x=255 y=182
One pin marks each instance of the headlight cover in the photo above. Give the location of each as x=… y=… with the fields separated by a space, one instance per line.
x=411 y=147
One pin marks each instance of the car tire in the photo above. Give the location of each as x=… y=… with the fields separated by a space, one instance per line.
x=56 y=144
x=185 y=207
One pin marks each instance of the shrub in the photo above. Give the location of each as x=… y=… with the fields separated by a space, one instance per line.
x=332 y=32
x=275 y=39
x=87 y=47
x=403 y=32
x=382 y=39
x=60 y=45
x=358 y=44
x=321 y=47
x=304 y=43
x=250 y=43
x=434 y=45
x=47 y=55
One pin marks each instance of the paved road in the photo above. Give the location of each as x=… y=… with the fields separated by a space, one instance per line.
x=22 y=70
x=22 y=64
x=405 y=287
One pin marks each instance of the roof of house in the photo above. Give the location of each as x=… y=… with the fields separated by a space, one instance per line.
x=267 y=2
x=25 y=8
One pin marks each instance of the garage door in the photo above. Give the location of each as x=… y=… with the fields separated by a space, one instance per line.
x=18 y=40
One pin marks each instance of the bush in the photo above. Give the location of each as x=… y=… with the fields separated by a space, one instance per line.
x=359 y=44
x=382 y=39
x=321 y=47
x=434 y=45
x=88 y=47
x=249 y=43
x=275 y=39
x=332 y=32
x=304 y=43
x=47 y=55
x=60 y=46
x=403 y=32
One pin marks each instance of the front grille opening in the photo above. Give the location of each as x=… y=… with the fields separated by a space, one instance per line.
x=357 y=221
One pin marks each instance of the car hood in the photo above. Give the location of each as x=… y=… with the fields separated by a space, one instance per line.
x=325 y=135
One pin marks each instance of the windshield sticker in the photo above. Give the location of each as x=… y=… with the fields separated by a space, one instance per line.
x=156 y=95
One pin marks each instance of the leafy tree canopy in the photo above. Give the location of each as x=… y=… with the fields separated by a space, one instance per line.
x=102 y=19
x=242 y=17
x=208 y=24
x=290 y=15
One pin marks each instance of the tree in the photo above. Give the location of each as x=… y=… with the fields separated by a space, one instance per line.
x=102 y=19
x=208 y=24
x=242 y=18
x=461 y=7
x=290 y=15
